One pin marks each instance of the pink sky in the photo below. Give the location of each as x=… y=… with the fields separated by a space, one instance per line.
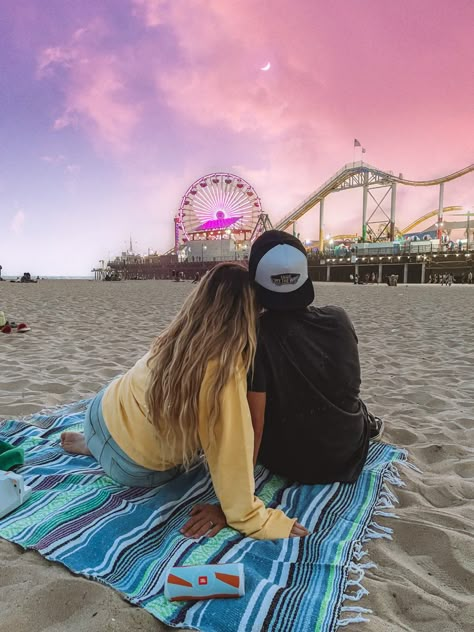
x=109 y=110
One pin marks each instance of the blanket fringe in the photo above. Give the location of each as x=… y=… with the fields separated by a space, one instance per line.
x=357 y=618
x=356 y=571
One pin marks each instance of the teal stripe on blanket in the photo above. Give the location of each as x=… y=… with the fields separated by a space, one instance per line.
x=127 y=538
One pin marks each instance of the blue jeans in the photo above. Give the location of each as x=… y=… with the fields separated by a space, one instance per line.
x=113 y=460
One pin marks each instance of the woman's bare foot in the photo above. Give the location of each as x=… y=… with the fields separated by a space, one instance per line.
x=75 y=443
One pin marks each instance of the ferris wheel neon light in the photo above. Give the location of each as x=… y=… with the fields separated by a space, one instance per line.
x=216 y=202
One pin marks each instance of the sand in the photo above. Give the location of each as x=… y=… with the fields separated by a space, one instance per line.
x=417 y=357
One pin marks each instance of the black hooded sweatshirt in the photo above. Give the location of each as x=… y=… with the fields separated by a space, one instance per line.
x=316 y=426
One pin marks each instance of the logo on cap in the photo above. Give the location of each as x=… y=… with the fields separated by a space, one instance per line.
x=285 y=279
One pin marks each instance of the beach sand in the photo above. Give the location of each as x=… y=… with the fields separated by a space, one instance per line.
x=417 y=357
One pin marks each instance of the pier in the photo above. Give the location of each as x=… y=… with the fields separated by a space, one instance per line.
x=220 y=215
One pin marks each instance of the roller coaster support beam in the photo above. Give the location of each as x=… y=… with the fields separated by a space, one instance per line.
x=263 y=224
x=440 y=210
x=393 y=204
x=321 y=225
x=365 y=190
x=468 y=228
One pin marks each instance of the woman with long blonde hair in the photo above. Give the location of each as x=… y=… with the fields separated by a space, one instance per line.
x=187 y=397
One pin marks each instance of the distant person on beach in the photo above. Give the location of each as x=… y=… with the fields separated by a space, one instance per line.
x=196 y=278
x=469 y=277
x=354 y=278
x=185 y=397
x=26 y=278
x=310 y=424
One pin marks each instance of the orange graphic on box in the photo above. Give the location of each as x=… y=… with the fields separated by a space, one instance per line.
x=174 y=579
x=232 y=580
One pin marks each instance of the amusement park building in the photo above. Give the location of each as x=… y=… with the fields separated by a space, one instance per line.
x=220 y=249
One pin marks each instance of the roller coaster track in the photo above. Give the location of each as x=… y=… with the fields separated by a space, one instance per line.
x=410 y=227
x=356 y=174
x=423 y=218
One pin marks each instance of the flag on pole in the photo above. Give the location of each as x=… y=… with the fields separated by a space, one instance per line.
x=356 y=143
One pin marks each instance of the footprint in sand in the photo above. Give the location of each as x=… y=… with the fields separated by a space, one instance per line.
x=465 y=469
x=402 y=436
x=50 y=387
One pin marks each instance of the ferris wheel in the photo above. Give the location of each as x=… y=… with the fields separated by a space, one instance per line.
x=215 y=203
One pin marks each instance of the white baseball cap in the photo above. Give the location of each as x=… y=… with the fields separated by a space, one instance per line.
x=279 y=267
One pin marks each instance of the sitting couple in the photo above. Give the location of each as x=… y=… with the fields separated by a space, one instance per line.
x=210 y=384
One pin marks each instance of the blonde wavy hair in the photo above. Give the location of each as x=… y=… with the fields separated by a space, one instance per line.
x=216 y=322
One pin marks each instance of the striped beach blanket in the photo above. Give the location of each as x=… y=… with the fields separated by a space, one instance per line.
x=127 y=538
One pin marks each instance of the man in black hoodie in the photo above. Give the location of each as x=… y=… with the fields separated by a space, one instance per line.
x=304 y=390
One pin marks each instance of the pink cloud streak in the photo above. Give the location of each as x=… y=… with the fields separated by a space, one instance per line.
x=95 y=94
x=151 y=11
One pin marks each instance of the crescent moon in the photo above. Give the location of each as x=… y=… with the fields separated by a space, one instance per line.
x=267 y=66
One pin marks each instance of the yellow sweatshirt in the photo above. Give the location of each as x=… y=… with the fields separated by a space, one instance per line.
x=229 y=453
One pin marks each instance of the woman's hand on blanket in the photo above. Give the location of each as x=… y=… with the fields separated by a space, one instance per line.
x=205 y=520
x=298 y=531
